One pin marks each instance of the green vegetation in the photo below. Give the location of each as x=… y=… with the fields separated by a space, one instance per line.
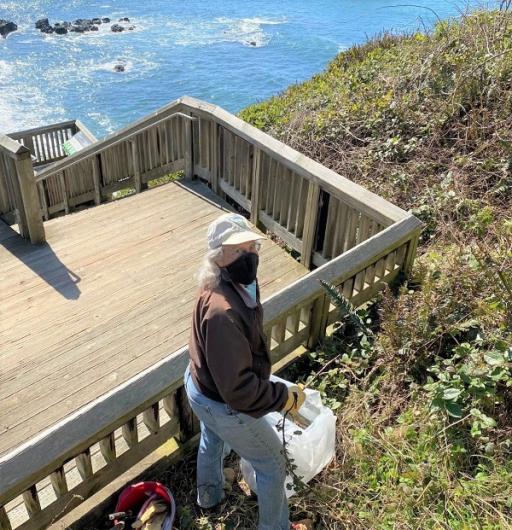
x=421 y=380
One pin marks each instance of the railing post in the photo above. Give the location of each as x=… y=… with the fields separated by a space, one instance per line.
x=29 y=197
x=189 y=152
x=136 y=165
x=319 y=316
x=411 y=254
x=96 y=177
x=214 y=175
x=311 y=216
x=255 y=192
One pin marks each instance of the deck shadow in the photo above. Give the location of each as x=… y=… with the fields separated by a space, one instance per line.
x=43 y=261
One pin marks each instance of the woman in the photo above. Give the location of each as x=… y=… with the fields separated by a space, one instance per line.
x=227 y=381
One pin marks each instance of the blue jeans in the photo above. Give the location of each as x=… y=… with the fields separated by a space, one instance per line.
x=253 y=439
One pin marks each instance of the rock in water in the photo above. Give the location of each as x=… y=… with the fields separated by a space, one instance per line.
x=116 y=28
x=94 y=28
x=7 y=27
x=125 y=19
x=42 y=23
x=96 y=21
x=105 y=20
x=119 y=68
x=60 y=30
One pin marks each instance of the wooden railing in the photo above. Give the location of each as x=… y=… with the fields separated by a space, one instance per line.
x=46 y=143
x=77 y=457
x=148 y=149
x=19 y=203
x=357 y=240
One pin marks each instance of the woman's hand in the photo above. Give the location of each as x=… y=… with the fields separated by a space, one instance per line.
x=296 y=398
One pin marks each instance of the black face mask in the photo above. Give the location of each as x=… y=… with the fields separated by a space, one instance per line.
x=243 y=269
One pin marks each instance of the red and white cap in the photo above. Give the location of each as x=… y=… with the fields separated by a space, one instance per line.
x=231 y=229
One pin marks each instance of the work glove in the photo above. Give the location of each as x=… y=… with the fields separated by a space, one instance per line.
x=296 y=398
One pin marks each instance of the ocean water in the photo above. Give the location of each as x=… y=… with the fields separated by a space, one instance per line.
x=229 y=52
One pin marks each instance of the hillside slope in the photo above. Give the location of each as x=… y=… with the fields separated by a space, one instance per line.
x=425 y=400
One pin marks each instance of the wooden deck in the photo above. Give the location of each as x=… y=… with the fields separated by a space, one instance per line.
x=109 y=294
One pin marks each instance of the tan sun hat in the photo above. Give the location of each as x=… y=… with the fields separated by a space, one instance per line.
x=231 y=229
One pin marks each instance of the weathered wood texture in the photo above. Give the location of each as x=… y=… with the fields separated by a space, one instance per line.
x=149 y=149
x=19 y=201
x=45 y=143
x=313 y=210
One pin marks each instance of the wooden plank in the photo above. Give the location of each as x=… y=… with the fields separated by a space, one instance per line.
x=44 y=203
x=82 y=128
x=108 y=448
x=135 y=163
x=31 y=501
x=64 y=191
x=308 y=239
x=59 y=483
x=150 y=417
x=411 y=254
x=189 y=160
x=351 y=232
x=230 y=191
x=170 y=405
x=281 y=232
x=11 y=147
x=292 y=203
x=318 y=321
x=301 y=207
x=37 y=130
x=339 y=230
x=84 y=464
x=332 y=214
x=271 y=182
x=96 y=177
x=256 y=190
x=276 y=199
x=285 y=197
x=214 y=168
x=130 y=433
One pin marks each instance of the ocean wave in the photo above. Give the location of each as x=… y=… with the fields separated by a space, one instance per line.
x=103 y=121
x=245 y=31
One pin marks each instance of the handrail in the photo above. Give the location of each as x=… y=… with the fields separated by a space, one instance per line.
x=110 y=141
x=45 y=128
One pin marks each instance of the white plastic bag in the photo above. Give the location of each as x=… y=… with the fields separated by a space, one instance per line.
x=310 y=447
